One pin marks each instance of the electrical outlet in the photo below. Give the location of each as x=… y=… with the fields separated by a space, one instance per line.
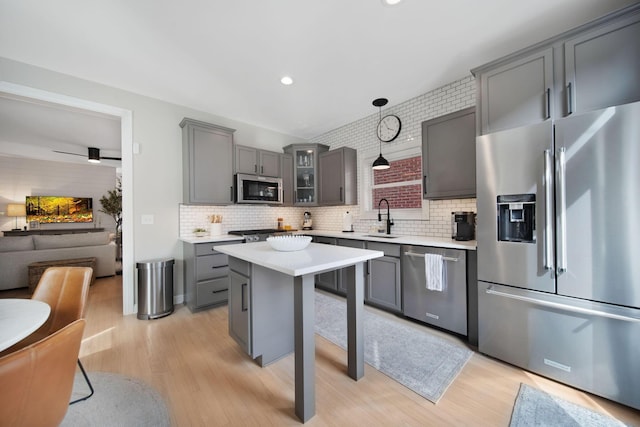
x=146 y=219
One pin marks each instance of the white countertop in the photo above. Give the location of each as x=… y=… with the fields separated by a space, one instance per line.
x=315 y=258
x=439 y=242
x=212 y=239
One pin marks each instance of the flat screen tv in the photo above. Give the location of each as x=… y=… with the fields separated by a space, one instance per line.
x=59 y=209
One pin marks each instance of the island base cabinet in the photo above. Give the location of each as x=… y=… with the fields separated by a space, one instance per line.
x=239 y=326
x=261 y=311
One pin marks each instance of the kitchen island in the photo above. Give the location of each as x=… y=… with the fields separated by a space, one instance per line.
x=270 y=270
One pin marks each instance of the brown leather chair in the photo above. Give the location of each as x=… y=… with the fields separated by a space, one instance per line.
x=65 y=289
x=37 y=380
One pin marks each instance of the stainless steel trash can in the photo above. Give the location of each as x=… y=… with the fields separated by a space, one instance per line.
x=155 y=288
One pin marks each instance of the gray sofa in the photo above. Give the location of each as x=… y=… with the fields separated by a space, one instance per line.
x=17 y=252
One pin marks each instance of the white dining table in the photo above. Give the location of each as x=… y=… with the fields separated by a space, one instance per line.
x=19 y=318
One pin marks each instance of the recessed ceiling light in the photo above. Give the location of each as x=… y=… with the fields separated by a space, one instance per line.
x=390 y=2
x=286 y=80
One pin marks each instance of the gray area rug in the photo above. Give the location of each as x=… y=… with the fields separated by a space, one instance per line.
x=537 y=408
x=415 y=358
x=118 y=401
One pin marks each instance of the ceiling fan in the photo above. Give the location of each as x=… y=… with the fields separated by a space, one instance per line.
x=93 y=155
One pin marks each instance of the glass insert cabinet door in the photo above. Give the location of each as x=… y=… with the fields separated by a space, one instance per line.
x=305 y=158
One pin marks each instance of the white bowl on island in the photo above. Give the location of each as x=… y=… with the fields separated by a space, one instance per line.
x=289 y=243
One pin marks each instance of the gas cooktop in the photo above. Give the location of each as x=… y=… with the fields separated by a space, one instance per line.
x=250 y=232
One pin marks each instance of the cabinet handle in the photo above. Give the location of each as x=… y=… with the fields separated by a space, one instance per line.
x=255 y=168
x=341 y=198
x=243 y=293
x=261 y=169
x=424 y=184
x=231 y=193
x=217 y=292
x=569 y=99
x=548 y=103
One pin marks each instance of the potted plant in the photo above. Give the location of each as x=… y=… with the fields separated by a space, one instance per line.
x=199 y=231
x=112 y=206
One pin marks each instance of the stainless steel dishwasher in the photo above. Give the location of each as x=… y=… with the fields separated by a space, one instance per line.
x=446 y=309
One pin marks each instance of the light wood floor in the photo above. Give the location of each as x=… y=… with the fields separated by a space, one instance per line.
x=208 y=381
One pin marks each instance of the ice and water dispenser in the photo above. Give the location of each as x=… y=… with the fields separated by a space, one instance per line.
x=517 y=218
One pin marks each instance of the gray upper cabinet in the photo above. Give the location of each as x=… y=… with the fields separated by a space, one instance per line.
x=305 y=172
x=338 y=177
x=517 y=93
x=286 y=173
x=602 y=66
x=252 y=161
x=588 y=68
x=449 y=156
x=207 y=162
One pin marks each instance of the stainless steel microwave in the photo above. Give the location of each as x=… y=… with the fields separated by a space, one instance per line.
x=258 y=189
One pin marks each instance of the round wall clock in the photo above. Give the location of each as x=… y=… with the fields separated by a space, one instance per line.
x=389 y=128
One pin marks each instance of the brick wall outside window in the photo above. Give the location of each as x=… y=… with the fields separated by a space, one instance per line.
x=405 y=197
x=401 y=196
x=401 y=170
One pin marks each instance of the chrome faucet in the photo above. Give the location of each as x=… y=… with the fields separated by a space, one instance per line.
x=389 y=222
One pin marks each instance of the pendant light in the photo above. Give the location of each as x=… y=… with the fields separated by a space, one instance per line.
x=381 y=163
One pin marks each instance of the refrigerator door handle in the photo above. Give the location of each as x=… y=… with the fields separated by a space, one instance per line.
x=561 y=306
x=548 y=211
x=561 y=182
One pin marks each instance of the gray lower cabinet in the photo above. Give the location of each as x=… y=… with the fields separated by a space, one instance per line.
x=329 y=280
x=384 y=285
x=449 y=156
x=207 y=162
x=260 y=311
x=239 y=299
x=343 y=274
x=445 y=308
x=206 y=275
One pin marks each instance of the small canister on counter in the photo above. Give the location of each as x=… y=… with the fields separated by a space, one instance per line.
x=280 y=223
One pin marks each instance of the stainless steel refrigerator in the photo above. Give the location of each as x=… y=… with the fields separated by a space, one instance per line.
x=558 y=233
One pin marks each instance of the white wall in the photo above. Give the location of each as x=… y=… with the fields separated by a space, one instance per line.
x=20 y=177
x=157 y=169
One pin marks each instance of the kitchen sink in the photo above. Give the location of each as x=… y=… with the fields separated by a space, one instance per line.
x=382 y=236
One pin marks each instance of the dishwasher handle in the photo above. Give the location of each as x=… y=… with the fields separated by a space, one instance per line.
x=445 y=258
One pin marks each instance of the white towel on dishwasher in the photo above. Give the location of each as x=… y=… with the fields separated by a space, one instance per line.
x=435 y=272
